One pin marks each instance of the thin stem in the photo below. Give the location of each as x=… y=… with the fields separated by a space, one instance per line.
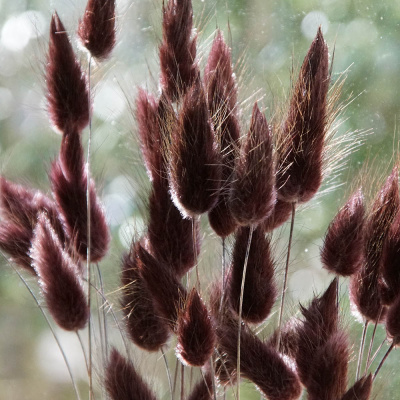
x=103 y=309
x=88 y=235
x=360 y=353
x=168 y=371
x=241 y=308
x=373 y=336
x=53 y=332
x=223 y=277
x=182 y=381
x=283 y=295
x=214 y=386
x=175 y=377
x=83 y=349
x=383 y=360
x=374 y=356
x=195 y=254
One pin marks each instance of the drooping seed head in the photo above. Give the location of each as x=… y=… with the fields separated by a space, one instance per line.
x=253 y=193
x=59 y=278
x=196 y=337
x=195 y=164
x=96 y=29
x=302 y=136
x=178 y=48
x=145 y=327
x=259 y=288
x=67 y=94
x=123 y=382
x=342 y=251
x=361 y=390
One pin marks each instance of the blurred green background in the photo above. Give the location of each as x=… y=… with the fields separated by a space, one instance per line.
x=268 y=40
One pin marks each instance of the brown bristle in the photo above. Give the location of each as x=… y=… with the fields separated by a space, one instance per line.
x=69 y=185
x=273 y=377
x=122 y=381
x=319 y=323
x=302 y=136
x=149 y=133
x=145 y=327
x=58 y=278
x=196 y=337
x=178 y=48
x=97 y=28
x=328 y=369
x=172 y=240
x=259 y=288
x=67 y=93
x=392 y=322
x=168 y=294
x=15 y=240
x=253 y=194
x=361 y=390
x=203 y=390
x=342 y=251
x=195 y=164
x=390 y=264
x=280 y=214
x=364 y=285
x=222 y=103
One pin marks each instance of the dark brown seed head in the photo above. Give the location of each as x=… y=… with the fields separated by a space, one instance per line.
x=67 y=93
x=58 y=278
x=195 y=164
x=178 y=48
x=97 y=28
x=253 y=194
x=122 y=381
x=288 y=338
x=196 y=337
x=302 y=136
x=320 y=322
x=364 y=285
x=361 y=390
x=259 y=288
x=145 y=327
x=279 y=215
x=168 y=294
x=342 y=252
x=393 y=320
x=203 y=390
x=328 y=369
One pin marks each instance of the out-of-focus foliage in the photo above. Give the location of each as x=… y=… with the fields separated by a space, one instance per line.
x=269 y=40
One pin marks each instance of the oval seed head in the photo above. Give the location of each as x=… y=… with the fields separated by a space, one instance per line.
x=281 y=213
x=361 y=390
x=342 y=251
x=178 y=48
x=203 y=390
x=67 y=93
x=364 y=285
x=195 y=164
x=58 y=278
x=196 y=337
x=259 y=288
x=302 y=136
x=393 y=321
x=253 y=193
x=145 y=327
x=123 y=382
x=97 y=28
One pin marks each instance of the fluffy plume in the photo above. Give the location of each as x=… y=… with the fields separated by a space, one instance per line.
x=97 y=28
x=69 y=183
x=390 y=264
x=195 y=170
x=67 y=93
x=280 y=214
x=364 y=285
x=168 y=294
x=259 y=287
x=393 y=320
x=122 y=382
x=302 y=136
x=58 y=278
x=196 y=337
x=342 y=252
x=361 y=390
x=259 y=362
x=253 y=193
x=288 y=338
x=203 y=390
x=319 y=324
x=222 y=102
x=178 y=48
x=328 y=369
x=145 y=327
